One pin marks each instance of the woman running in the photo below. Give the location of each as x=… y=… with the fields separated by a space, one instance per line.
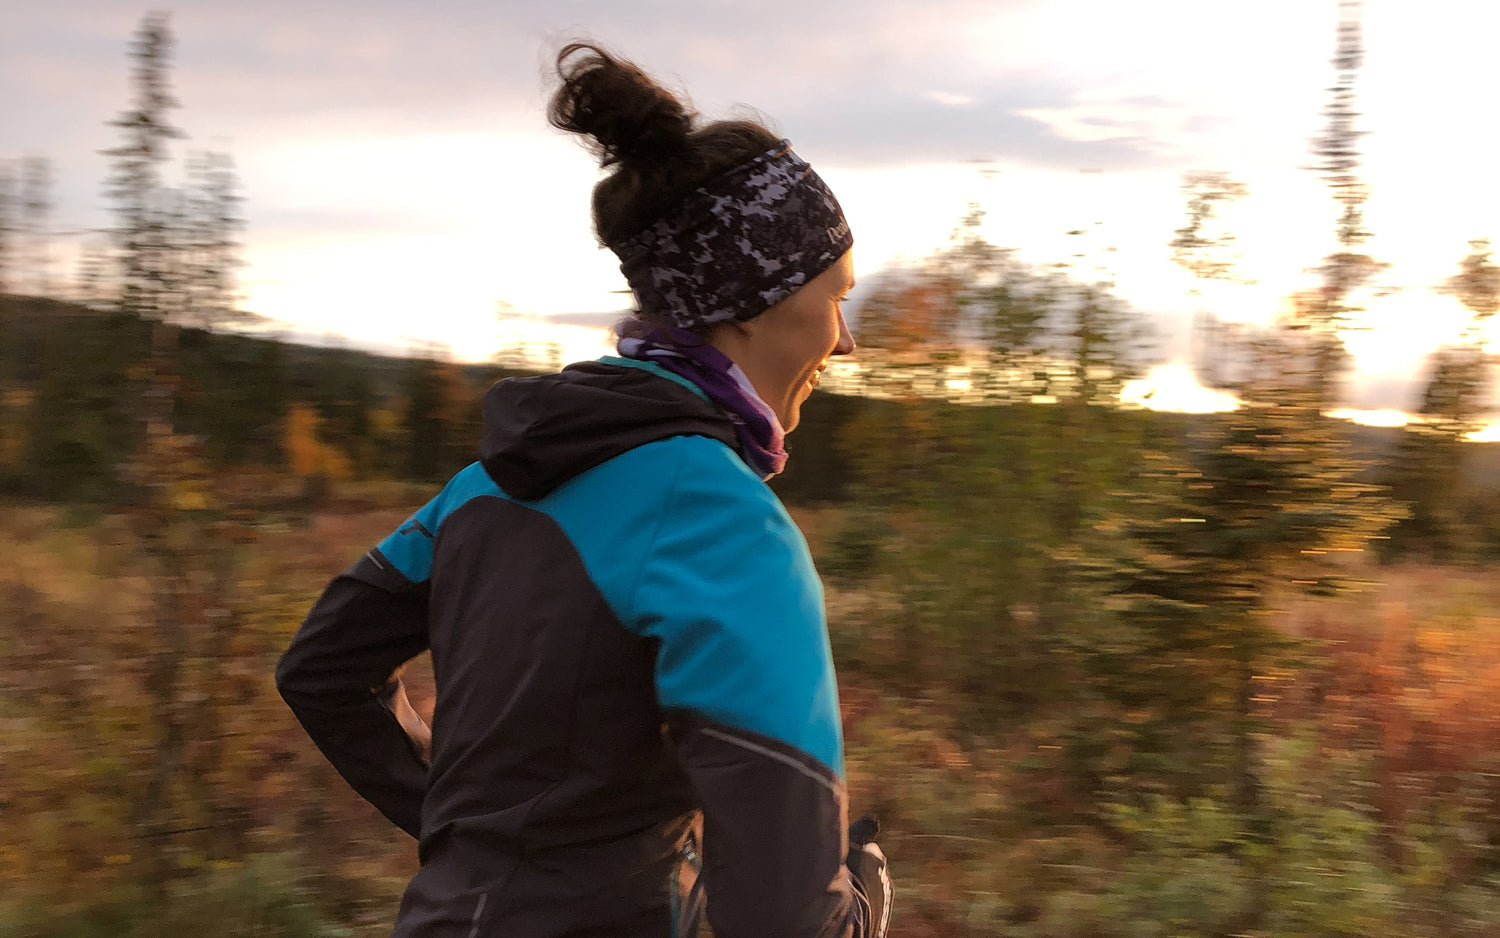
x=636 y=721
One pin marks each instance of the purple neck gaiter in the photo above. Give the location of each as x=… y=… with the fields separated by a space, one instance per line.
x=684 y=353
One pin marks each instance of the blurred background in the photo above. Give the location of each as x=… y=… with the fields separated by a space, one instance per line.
x=1158 y=509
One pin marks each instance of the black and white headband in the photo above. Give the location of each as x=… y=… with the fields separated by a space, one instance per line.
x=738 y=245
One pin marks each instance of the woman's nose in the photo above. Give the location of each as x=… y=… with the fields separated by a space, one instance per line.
x=846 y=338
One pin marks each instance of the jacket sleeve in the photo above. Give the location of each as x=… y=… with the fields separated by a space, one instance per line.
x=745 y=673
x=339 y=678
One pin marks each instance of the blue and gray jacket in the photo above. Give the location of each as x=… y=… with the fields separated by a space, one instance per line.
x=628 y=640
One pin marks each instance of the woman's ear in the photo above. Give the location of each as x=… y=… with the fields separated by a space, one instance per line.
x=730 y=335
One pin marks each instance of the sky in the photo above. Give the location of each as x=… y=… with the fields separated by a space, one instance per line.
x=402 y=185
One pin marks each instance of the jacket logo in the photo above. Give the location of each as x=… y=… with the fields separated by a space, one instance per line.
x=413 y=525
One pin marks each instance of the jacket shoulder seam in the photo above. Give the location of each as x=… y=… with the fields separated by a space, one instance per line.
x=735 y=739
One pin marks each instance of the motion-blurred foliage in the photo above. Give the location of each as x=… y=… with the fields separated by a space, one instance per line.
x=140 y=772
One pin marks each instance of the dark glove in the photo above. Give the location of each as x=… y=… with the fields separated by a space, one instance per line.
x=866 y=864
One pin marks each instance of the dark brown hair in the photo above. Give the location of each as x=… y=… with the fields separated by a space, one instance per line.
x=651 y=138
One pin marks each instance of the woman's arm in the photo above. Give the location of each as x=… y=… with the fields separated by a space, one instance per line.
x=339 y=678
x=745 y=673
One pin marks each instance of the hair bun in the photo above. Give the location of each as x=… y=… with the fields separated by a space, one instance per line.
x=633 y=120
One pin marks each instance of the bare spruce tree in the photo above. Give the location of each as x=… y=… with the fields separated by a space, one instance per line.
x=1348 y=270
x=163 y=477
x=211 y=240
x=135 y=185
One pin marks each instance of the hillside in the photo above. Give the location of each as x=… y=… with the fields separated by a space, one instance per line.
x=68 y=374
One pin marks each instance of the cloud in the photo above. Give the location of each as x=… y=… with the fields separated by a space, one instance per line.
x=873 y=126
x=948 y=98
x=873 y=84
x=1106 y=115
x=856 y=76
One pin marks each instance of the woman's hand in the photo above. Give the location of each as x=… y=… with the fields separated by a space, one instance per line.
x=866 y=863
x=392 y=696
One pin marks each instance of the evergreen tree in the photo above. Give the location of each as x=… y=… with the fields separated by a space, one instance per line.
x=166 y=478
x=212 y=227
x=1429 y=467
x=1266 y=502
x=135 y=184
x=1477 y=285
x=443 y=423
x=173 y=220
x=1348 y=271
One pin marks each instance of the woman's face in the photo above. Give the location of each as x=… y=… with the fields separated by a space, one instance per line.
x=784 y=350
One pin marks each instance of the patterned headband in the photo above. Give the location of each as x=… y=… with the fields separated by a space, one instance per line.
x=737 y=246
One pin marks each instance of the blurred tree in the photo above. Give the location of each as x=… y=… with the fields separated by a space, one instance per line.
x=1265 y=502
x=233 y=396
x=1429 y=467
x=1200 y=246
x=1477 y=284
x=135 y=183
x=8 y=224
x=36 y=219
x=308 y=456
x=83 y=421
x=173 y=220
x=213 y=224
x=94 y=284
x=344 y=397
x=996 y=443
x=442 y=416
x=167 y=480
x=1348 y=272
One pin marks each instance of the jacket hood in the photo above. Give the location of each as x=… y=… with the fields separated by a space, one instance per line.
x=542 y=431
